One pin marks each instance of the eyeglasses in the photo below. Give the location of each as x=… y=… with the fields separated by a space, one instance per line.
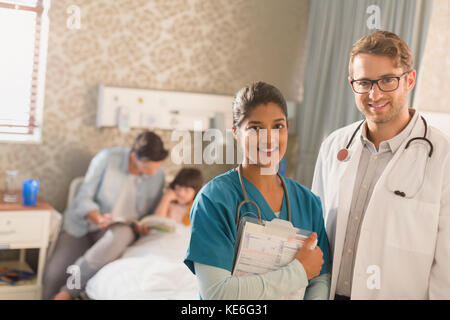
x=386 y=84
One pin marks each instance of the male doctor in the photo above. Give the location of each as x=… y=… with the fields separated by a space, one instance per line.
x=385 y=185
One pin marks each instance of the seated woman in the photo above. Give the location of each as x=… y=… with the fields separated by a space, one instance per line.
x=177 y=200
x=259 y=111
x=119 y=183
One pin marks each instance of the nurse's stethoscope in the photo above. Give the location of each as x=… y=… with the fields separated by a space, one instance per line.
x=246 y=200
x=343 y=154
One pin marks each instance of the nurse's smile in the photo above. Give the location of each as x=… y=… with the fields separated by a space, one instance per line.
x=267 y=152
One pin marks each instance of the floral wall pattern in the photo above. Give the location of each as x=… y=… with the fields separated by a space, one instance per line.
x=433 y=78
x=184 y=45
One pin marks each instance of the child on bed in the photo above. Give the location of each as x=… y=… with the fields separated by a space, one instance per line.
x=177 y=200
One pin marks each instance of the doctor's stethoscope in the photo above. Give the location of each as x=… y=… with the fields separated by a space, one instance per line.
x=343 y=154
x=246 y=200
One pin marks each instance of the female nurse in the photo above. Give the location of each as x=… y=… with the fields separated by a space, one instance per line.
x=260 y=128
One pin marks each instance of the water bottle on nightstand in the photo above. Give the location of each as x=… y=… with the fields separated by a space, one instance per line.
x=11 y=193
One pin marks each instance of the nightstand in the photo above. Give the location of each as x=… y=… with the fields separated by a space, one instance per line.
x=23 y=228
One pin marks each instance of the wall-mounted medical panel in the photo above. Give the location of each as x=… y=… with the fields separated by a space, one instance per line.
x=157 y=109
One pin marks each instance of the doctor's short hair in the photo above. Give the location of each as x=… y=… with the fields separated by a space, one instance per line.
x=148 y=146
x=383 y=43
x=188 y=177
x=253 y=95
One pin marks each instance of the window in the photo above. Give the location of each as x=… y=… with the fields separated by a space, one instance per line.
x=23 y=38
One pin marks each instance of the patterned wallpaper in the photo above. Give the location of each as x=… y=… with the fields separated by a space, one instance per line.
x=434 y=78
x=187 y=45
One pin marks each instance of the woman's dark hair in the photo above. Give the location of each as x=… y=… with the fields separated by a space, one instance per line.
x=188 y=177
x=148 y=146
x=253 y=95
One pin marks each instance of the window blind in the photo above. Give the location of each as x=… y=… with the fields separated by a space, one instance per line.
x=20 y=35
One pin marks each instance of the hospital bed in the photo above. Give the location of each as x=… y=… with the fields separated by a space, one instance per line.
x=151 y=268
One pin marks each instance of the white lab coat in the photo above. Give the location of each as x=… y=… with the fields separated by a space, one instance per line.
x=404 y=246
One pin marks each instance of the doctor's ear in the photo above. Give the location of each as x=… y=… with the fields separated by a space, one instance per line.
x=411 y=79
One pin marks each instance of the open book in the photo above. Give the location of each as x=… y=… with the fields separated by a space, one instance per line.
x=151 y=221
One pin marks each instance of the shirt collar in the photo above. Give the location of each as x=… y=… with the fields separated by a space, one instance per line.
x=394 y=143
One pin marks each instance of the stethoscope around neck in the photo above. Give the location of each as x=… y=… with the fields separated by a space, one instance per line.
x=246 y=200
x=343 y=154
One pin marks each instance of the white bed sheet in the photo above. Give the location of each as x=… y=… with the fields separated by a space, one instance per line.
x=152 y=268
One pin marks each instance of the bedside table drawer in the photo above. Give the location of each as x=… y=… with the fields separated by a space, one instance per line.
x=23 y=229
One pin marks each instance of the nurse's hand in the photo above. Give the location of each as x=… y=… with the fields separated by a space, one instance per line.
x=312 y=260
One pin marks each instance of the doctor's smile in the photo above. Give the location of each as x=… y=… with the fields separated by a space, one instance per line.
x=378 y=106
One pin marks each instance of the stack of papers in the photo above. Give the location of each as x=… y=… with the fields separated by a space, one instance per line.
x=267 y=247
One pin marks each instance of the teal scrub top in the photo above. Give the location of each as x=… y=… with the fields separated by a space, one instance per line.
x=213 y=219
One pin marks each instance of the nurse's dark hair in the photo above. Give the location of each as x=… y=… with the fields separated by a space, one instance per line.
x=253 y=95
x=148 y=146
x=188 y=177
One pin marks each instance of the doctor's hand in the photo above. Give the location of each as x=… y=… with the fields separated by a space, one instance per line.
x=311 y=259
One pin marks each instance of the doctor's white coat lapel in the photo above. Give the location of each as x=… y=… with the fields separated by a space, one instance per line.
x=335 y=191
x=346 y=186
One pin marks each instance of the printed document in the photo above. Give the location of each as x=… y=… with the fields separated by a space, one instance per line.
x=267 y=247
